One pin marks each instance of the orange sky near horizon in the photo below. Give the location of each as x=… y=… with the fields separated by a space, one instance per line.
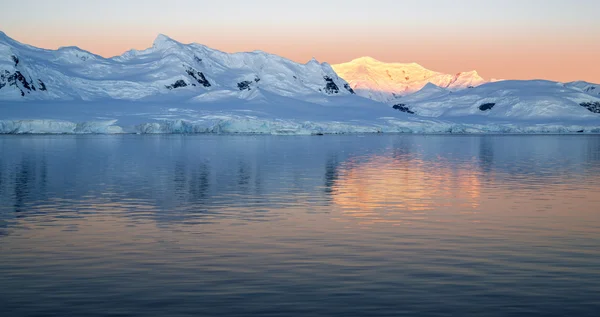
x=564 y=50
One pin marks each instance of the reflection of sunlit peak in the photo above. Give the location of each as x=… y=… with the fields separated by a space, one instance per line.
x=368 y=190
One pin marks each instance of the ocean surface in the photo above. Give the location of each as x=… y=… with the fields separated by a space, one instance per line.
x=374 y=225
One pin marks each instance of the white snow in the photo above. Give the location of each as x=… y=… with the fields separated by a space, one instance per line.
x=589 y=88
x=514 y=100
x=73 y=91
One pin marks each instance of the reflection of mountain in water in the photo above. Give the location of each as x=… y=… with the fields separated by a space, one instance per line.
x=369 y=189
x=486 y=155
x=206 y=178
x=331 y=173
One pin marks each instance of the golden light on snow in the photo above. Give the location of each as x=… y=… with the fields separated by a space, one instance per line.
x=386 y=81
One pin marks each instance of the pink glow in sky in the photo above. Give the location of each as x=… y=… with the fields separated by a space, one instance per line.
x=505 y=39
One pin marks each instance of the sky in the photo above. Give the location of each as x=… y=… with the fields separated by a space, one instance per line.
x=501 y=39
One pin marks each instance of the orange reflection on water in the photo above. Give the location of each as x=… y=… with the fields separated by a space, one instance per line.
x=371 y=190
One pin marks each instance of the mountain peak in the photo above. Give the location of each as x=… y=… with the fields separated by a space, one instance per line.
x=371 y=60
x=365 y=59
x=431 y=86
x=163 y=41
x=472 y=73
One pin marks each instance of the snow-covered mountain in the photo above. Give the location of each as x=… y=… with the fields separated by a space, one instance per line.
x=189 y=88
x=515 y=100
x=386 y=82
x=168 y=70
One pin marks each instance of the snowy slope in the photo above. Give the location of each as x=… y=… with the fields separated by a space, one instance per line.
x=168 y=69
x=385 y=82
x=589 y=88
x=511 y=100
x=429 y=91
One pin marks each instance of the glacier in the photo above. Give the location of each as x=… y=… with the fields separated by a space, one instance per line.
x=143 y=118
x=189 y=88
x=250 y=125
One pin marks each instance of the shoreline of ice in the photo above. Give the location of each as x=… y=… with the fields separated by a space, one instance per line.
x=285 y=127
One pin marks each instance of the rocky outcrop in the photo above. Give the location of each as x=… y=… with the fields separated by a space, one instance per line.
x=330 y=86
x=244 y=85
x=198 y=76
x=178 y=84
x=17 y=80
x=403 y=108
x=349 y=89
x=591 y=106
x=487 y=106
x=42 y=85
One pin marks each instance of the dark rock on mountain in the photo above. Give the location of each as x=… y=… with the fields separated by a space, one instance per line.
x=487 y=106
x=591 y=106
x=244 y=85
x=403 y=108
x=177 y=84
x=330 y=86
x=198 y=76
x=42 y=85
x=16 y=78
x=349 y=89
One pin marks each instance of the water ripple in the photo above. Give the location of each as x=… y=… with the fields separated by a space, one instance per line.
x=320 y=226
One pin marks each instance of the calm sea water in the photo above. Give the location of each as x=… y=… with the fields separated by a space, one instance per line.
x=299 y=226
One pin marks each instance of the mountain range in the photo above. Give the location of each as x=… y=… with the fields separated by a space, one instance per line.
x=190 y=88
x=167 y=69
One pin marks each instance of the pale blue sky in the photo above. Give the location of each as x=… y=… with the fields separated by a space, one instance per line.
x=336 y=31
x=545 y=14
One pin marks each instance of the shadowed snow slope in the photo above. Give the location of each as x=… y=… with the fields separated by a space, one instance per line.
x=190 y=88
x=384 y=82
